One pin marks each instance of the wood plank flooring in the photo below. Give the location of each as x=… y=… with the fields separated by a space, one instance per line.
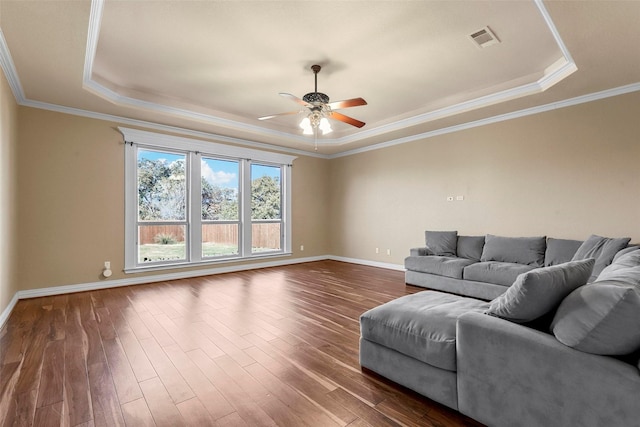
x=270 y=347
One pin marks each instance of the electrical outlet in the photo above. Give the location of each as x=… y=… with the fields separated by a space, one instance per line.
x=459 y=198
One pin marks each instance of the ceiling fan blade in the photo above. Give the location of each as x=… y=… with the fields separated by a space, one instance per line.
x=279 y=114
x=355 y=102
x=295 y=99
x=346 y=119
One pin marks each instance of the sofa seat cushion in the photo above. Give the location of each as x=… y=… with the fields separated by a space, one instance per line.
x=438 y=265
x=422 y=325
x=500 y=273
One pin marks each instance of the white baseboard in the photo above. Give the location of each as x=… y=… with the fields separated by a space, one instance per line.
x=386 y=265
x=4 y=316
x=92 y=286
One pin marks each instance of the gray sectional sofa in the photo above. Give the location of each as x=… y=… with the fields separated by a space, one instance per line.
x=560 y=346
x=485 y=266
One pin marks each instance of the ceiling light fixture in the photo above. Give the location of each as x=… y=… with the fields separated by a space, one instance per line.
x=317 y=119
x=320 y=110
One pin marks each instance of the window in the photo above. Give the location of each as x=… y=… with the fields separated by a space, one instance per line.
x=162 y=207
x=266 y=208
x=202 y=202
x=220 y=207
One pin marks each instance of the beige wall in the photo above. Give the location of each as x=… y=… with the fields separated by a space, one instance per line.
x=71 y=201
x=566 y=173
x=8 y=193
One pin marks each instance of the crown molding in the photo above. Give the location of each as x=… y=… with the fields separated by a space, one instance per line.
x=9 y=69
x=553 y=74
x=14 y=82
x=167 y=128
x=634 y=87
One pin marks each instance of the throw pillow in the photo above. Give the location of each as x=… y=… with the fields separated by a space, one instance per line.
x=518 y=250
x=600 y=318
x=442 y=243
x=602 y=249
x=539 y=291
x=625 y=251
x=470 y=247
x=624 y=269
x=560 y=250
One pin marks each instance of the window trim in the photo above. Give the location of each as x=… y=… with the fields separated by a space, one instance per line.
x=135 y=138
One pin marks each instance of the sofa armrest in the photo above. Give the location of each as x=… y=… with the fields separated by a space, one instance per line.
x=420 y=252
x=511 y=375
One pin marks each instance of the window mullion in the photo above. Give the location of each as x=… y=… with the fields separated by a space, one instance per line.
x=285 y=217
x=195 y=211
x=131 y=206
x=245 y=208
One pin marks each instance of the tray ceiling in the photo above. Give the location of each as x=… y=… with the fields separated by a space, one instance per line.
x=216 y=66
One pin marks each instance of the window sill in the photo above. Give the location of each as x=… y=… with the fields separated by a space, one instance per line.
x=143 y=269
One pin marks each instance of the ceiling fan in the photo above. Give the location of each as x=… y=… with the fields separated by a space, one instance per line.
x=320 y=109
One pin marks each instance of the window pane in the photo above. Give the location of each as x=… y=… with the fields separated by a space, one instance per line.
x=219 y=240
x=162 y=186
x=266 y=193
x=219 y=189
x=265 y=237
x=161 y=243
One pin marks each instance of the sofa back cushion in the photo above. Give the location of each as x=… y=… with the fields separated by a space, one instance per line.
x=540 y=291
x=518 y=250
x=470 y=247
x=442 y=243
x=602 y=249
x=560 y=251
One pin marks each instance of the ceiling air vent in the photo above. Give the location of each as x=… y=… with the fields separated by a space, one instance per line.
x=484 y=37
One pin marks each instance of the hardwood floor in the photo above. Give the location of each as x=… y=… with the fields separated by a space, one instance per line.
x=277 y=346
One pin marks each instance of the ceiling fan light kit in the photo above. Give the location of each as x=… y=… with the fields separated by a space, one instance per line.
x=320 y=109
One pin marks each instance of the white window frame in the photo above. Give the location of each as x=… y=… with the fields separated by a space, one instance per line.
x=194 y=149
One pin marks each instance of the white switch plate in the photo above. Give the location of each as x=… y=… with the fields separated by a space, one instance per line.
x=459 y=198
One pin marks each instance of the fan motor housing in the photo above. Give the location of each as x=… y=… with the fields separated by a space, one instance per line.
x=316 y=97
